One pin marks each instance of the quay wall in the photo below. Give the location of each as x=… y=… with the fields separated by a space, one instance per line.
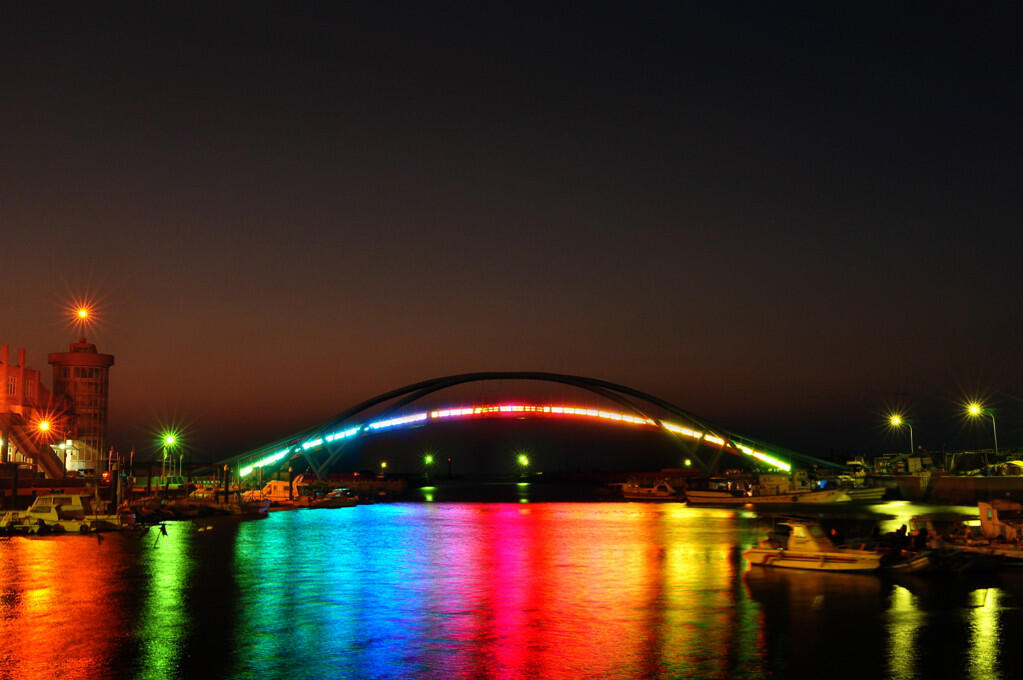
x=956 y=489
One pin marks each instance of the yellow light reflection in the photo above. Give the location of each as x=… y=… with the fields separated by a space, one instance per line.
x=904 y=621
x=982 y=660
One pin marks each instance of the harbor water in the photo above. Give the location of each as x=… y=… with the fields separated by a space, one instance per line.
x=485 y=590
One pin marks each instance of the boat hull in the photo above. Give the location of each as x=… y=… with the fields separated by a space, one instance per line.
x=804 y=497
x=844 y=560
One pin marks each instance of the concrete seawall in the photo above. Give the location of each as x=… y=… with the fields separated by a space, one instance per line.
x=941 y=488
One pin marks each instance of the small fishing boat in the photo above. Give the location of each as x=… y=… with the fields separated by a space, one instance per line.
x=338 y=498
x=808 y=547
x=658 y=491
x=63 y=513
x=716 y=497
x=997 y=541
x=764 y=489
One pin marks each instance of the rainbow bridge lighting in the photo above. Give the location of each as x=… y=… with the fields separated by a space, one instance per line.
x=714 y=439
x=515 y=410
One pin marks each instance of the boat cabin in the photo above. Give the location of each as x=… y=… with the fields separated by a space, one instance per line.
x=807 y=536
x=276 y=491
x=1001 y=519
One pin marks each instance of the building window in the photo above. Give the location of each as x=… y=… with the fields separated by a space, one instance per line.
x=12 y=386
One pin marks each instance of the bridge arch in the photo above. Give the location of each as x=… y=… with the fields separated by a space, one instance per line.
x=322 y=444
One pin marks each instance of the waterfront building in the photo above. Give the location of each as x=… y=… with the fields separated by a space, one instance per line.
x=82 y=375
x=33 y=422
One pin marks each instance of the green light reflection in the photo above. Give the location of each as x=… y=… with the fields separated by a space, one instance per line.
x=163 y=624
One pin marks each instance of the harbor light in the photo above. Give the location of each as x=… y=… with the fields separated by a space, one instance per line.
x=428 y=459
x=975 y=410
x=523 y=461
x=898 y=421
x=168 y=440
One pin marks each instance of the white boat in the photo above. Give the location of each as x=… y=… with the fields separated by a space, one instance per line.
x=278 y=492
x=659 y=491
x=766 y=488
x=60 y=513
x=808 y=547
x=696 y=497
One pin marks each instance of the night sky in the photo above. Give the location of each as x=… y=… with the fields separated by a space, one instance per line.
x=788 y=219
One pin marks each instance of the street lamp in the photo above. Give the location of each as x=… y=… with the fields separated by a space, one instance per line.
x=897 y=421
x=43 y=427
x=169 y=440
x=523 y=462
x=975 y=410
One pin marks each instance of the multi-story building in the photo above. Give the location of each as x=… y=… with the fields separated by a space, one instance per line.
x=82 y=375
x=32 y=421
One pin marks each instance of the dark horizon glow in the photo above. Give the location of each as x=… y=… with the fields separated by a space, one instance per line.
x=793 y=221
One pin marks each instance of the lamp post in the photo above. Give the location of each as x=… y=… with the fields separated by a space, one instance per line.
x=976 y=410
x=169 y=440
x=427 y=464
x=897 y=421
x=43 y=427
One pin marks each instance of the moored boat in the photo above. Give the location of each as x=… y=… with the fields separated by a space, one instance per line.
x=715 y=497
x=658 y=491
x=865 y=494
x=63 y=513
x=808 y=547
x=338 y=498
x=999 y=540
x=765 y=488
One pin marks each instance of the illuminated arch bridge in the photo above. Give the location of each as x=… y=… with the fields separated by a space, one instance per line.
x=322 y=445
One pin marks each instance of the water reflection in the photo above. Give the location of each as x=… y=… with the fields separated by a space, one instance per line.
x=512 y=590
x=904 y=620
x=167 y=561
x=984 y=634
x=58 y=611
x=497 y=591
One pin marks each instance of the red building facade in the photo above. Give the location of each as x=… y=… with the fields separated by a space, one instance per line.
x=33 y=422
x=82 y=376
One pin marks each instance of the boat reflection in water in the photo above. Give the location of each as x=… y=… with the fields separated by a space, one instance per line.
x=509 y=590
